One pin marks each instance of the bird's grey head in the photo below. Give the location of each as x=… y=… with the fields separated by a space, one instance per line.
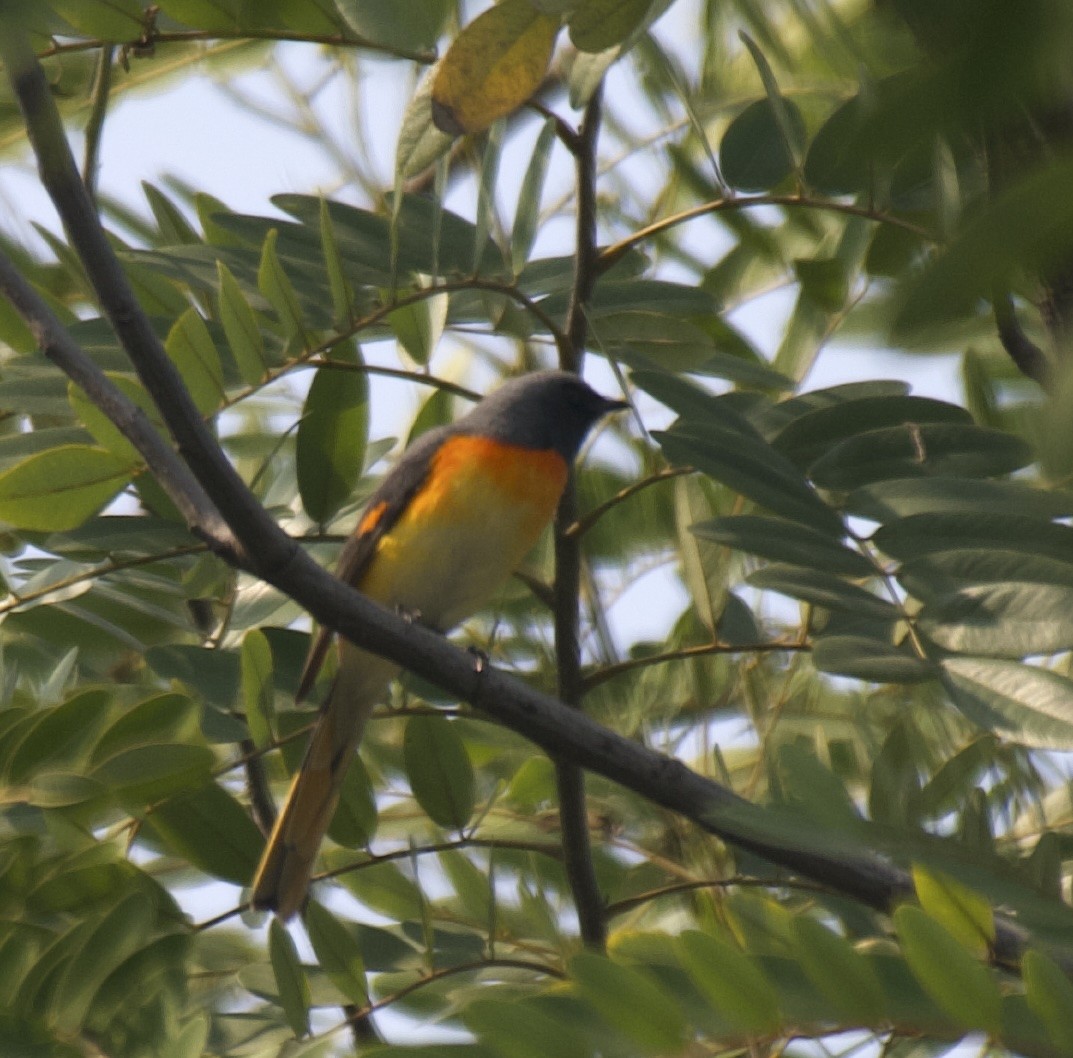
x=546 y=409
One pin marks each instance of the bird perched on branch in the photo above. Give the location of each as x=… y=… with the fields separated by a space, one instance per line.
x=447 y=526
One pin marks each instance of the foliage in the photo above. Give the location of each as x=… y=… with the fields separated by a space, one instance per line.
x=873 y=588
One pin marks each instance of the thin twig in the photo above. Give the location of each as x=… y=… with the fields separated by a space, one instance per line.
x=583 y=525
x=738 y=881
x=611 y=254
x=701 y=650
x=155 y=37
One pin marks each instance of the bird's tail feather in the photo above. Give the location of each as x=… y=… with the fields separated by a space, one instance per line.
x=282 y=878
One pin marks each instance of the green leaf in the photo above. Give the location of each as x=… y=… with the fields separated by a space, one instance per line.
x=966 y=915
x=421 y=143
x=330 y=447
x=58 y=737
x=522 y=1030
x=168 y=717
x=419 y=325
x=143 y=774
x=276 y=286
x=841 y=974
x=925 y=534
x=631 y=1001
x=819 y=588
x=405 y=24
x=1026 y=704
x=784 y=542
x=1050 y=996
x=385 y=889
x=192 y=350
x=338 y=952
x=883 y=501
x=873 y=660
x=342 y=295
x=354 y=822
x=1022 y=226
x=118 y=935
x=439 y=770
x=747 y=465
x=824 y=281
x=103 y=430
x=493 y=66
x=917 y=450
x=527 y=213
x=961 y=986
x=60 y=488
x=208 y=828
x=808 y=436
x=1004 y=620
x=731 y=981
x=241 y=328
x=258 y=690
x=596 y=25
x=119 y=21
x=753 y=154
x=292 y=985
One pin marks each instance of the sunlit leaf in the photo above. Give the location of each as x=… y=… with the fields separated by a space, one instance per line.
x=60 y=488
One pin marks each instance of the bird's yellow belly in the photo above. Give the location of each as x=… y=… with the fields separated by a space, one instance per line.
x=481 y=509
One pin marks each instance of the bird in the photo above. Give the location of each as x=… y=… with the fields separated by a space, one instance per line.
x=445 y=528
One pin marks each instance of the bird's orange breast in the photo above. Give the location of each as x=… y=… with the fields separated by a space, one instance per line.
x=481 y=508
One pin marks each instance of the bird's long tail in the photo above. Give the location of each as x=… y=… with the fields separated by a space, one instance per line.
x=282 y=878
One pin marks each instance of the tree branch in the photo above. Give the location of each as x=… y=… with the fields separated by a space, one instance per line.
x=569 y=779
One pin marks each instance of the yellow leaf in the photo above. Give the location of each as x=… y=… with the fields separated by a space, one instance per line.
x=496 y=63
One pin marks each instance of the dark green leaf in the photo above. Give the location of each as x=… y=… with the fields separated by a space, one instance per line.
x=959 y=984
x=868 y=659
x=527 y=213
x=1050 y=995
x=785 y=542
x=331 y=440
x=844 y=976
x=632 y=1001
x=241 y=328
x=292 y=985
x=747 y=465
x=883 y=501
x=337 y=951
x=754 y=154
x=823 y=589
x=143 y=774
x=439 y=769
x=731 y=981
x=916 y=451
x=925 y=534
x=596 y=25
x=210 y=829
x=810 y=435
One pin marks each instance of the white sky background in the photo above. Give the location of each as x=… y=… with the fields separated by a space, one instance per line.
x=190 y=130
